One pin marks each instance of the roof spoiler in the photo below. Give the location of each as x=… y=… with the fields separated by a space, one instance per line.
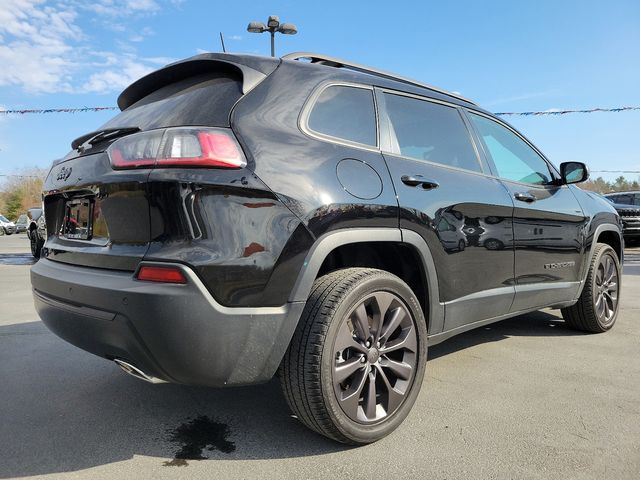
x=252 y=70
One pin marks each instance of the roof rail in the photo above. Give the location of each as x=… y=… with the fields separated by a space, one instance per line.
x=340 y=63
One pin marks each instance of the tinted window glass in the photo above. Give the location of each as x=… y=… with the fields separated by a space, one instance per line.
x=430 y=131
x=345 y=112
x=512 y=157
x=623 y=199
x=203 y=99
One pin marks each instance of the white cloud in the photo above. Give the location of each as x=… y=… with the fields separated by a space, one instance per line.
x=43 y=49
x=235 y=37
x=121 y=8
x=105 y=81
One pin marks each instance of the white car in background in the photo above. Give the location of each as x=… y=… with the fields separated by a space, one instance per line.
x=6 y=227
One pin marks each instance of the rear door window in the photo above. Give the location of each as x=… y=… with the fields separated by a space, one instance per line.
x=430 y=132
x=345 y=113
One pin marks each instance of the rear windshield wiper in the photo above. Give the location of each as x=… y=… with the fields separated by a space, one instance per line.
x=101 y=135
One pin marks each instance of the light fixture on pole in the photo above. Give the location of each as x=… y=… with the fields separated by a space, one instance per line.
x=273 y=25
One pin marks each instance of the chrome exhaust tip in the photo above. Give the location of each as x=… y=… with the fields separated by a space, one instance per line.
x=136 y=372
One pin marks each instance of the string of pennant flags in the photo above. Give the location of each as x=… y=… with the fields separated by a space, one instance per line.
x=56 y=110
x=564 y=112
x=524 y=114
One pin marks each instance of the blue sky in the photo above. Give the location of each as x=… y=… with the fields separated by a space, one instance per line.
x=505 y=55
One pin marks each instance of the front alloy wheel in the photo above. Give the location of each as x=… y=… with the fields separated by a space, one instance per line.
x=597 y=308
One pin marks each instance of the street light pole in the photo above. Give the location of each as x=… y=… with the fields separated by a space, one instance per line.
x=273 y=43
x=273 y=25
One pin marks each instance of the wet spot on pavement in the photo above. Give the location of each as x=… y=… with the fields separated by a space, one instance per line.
x=16 y=259
x=196 y=435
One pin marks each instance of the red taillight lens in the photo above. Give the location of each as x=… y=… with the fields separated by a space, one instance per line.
x=173 y=147
x=161 y=274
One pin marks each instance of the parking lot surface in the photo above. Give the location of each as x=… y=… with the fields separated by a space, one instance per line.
x=523 y=398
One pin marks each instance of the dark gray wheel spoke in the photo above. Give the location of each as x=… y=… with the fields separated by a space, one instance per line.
x=600 y=306
x=401 y=369
x=350 y=399
x=361 y=322
x=347 y=368
x=370 y=398
x=394 y=397
x=382 y=300
x=345 y=340
x=600 y=275
x=393 y=322
x=406 y=342
x=610 y=269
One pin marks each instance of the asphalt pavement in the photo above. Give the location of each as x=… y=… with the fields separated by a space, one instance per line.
x=523 y=398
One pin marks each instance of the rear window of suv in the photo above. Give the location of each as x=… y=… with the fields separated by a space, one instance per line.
x=345 y=113
x=205 y=99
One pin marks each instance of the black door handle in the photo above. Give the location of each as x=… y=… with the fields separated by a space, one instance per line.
x=525 y=197
x=415 y=180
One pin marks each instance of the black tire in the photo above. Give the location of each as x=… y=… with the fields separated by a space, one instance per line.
x=493 y=244
x=309 y=369
x=35 y=243
x=597 y=308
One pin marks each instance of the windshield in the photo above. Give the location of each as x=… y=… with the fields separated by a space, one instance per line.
x=35 y=213
x=3 y=219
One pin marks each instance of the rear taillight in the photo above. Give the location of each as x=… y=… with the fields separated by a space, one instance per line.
x=177 y=147
x=151 y=273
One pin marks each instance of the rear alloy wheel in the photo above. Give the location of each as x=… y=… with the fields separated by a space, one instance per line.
x=597 y=309
x=355 y=364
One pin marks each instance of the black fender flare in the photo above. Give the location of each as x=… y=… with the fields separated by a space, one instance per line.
x=328 y=242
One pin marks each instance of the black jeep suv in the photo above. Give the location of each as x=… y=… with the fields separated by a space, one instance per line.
x=244 y=216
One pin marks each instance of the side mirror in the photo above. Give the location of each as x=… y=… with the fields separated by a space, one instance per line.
x=573 y=172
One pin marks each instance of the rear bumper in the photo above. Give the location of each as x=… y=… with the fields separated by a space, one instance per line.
x=177 y=333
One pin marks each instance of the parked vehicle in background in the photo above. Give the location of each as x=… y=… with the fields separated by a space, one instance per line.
x=624 y=198
x=36 y=230
x=244 y=216
x=7 y=227
x=22 y=223
x=627 y=204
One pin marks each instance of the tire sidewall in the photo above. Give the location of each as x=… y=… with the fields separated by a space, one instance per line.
x=367 y=433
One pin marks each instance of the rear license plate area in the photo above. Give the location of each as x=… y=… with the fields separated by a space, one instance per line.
x=78 y=219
